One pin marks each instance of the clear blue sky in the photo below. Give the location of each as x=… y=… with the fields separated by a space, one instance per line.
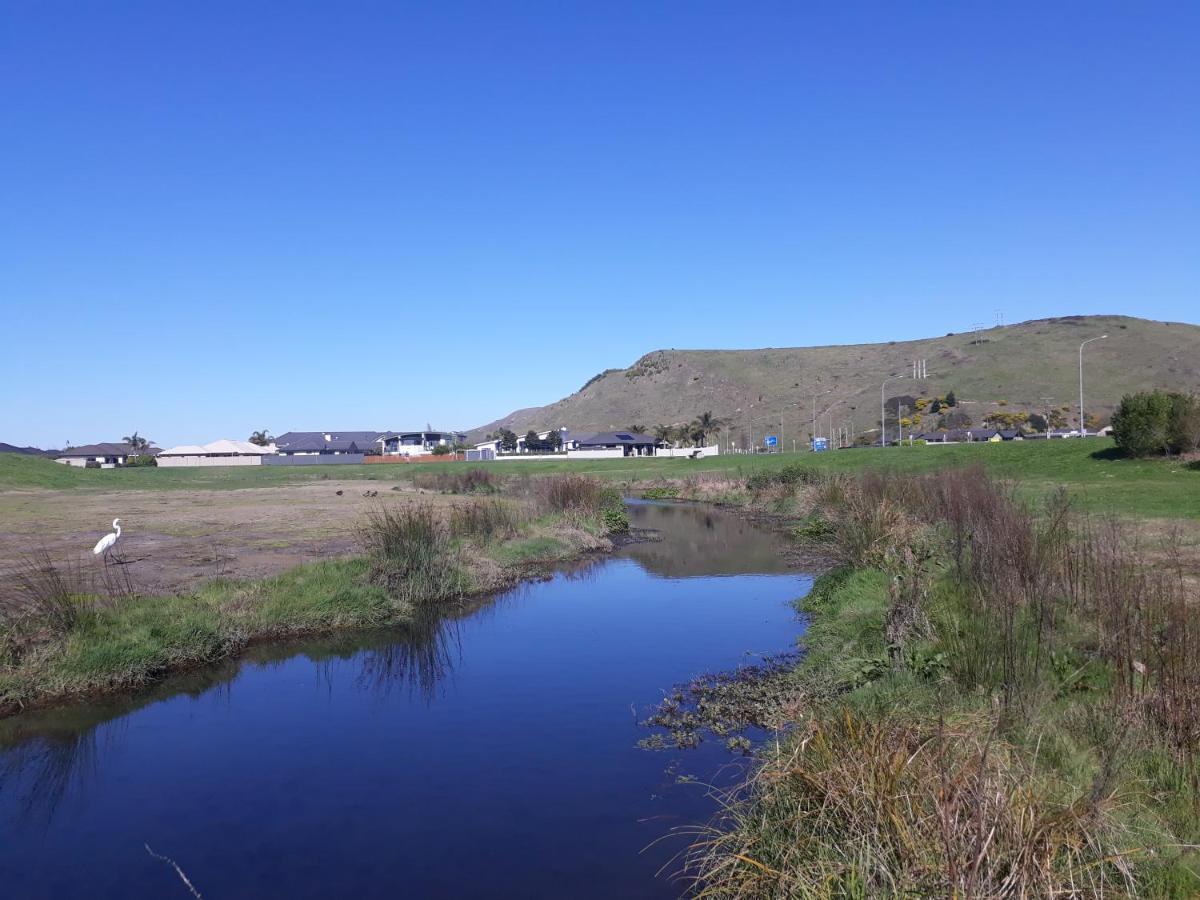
x=225 y=216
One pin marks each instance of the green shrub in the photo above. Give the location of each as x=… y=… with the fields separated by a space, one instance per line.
x=613 y=514
x=142 y=462
x=1157 y=422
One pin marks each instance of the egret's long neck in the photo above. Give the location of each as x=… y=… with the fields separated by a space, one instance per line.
x=118 y=527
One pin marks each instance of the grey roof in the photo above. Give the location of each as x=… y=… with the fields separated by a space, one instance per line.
x=108 y=449
x=621 y=438
x=314 y=441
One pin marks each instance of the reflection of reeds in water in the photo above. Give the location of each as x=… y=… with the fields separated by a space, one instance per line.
x=39 y=773
x=421 y=657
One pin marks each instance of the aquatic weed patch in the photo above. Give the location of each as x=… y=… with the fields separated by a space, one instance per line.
x=723 y=704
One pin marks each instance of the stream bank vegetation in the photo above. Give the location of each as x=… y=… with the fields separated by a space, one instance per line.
x=997 y=697
x=73 y=627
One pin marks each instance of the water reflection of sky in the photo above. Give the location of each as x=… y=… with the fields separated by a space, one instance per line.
x=493 y=755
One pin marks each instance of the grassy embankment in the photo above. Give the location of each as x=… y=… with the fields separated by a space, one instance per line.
x=998 y=698
x=66 y=633
x=1089 y=470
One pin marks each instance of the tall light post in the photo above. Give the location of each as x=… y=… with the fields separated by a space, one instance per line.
x=829 y=412
x=1082 y=420
x=882 y=411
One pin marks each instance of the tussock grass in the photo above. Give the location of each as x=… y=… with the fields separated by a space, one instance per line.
x=856 y=806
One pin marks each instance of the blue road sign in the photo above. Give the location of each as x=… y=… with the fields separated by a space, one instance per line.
x=770 y=440
x=820 y=444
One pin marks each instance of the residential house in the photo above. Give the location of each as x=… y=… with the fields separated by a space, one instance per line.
x=217 y=453
x=327 y=443
x=615 y=443
x=103 y=456
x=416 y=443
x=490 y=449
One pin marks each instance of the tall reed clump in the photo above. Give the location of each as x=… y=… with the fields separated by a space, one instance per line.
x=43 y=597
x=412 y=553
x=853 y=806
x=583 y=498
x=44 y=593
x=486 y=519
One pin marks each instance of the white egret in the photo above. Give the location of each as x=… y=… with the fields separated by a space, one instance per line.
x=106 y=543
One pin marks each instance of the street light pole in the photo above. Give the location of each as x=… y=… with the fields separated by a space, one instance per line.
x=883 y=411
x=1082 y=420
x=829 y=411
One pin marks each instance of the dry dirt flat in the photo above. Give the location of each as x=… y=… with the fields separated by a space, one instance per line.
x=176 y=539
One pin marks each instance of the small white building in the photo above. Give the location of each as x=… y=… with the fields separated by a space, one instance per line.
x=219 y=453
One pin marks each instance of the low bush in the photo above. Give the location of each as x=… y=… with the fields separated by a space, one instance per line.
x=613 y=514
x=660 y=492
x=791 y=476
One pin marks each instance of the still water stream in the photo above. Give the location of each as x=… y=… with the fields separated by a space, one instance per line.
x=494 y=755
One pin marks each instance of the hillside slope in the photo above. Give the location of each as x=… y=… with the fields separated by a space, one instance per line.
x=1011 y=367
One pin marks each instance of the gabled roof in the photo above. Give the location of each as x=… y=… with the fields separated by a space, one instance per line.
x=359 y=437
x=107 y=449
x=223 y=446
x=314 y=441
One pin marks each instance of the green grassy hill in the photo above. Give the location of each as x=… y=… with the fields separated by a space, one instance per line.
x=1011 y=367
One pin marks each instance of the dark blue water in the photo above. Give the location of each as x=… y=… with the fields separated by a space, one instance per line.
x=490 y=756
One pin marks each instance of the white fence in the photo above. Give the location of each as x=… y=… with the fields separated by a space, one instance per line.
x=614 y=453
x=688 y=452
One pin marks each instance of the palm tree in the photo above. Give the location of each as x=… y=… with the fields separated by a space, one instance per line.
x=261 y=438
x=136 y=441
x=637 y=429
x=706 y=423
x=662 y=433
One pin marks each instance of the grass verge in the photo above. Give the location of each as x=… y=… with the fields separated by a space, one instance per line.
x=995 y=699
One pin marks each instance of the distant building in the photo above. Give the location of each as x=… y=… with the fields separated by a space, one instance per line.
x=490 y=449
x=417 y=443
x=218 y=453
x=617 y=443
x=328 y=444
x=102 y=456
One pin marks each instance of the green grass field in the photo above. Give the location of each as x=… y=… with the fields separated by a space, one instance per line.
x=1097 y=479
